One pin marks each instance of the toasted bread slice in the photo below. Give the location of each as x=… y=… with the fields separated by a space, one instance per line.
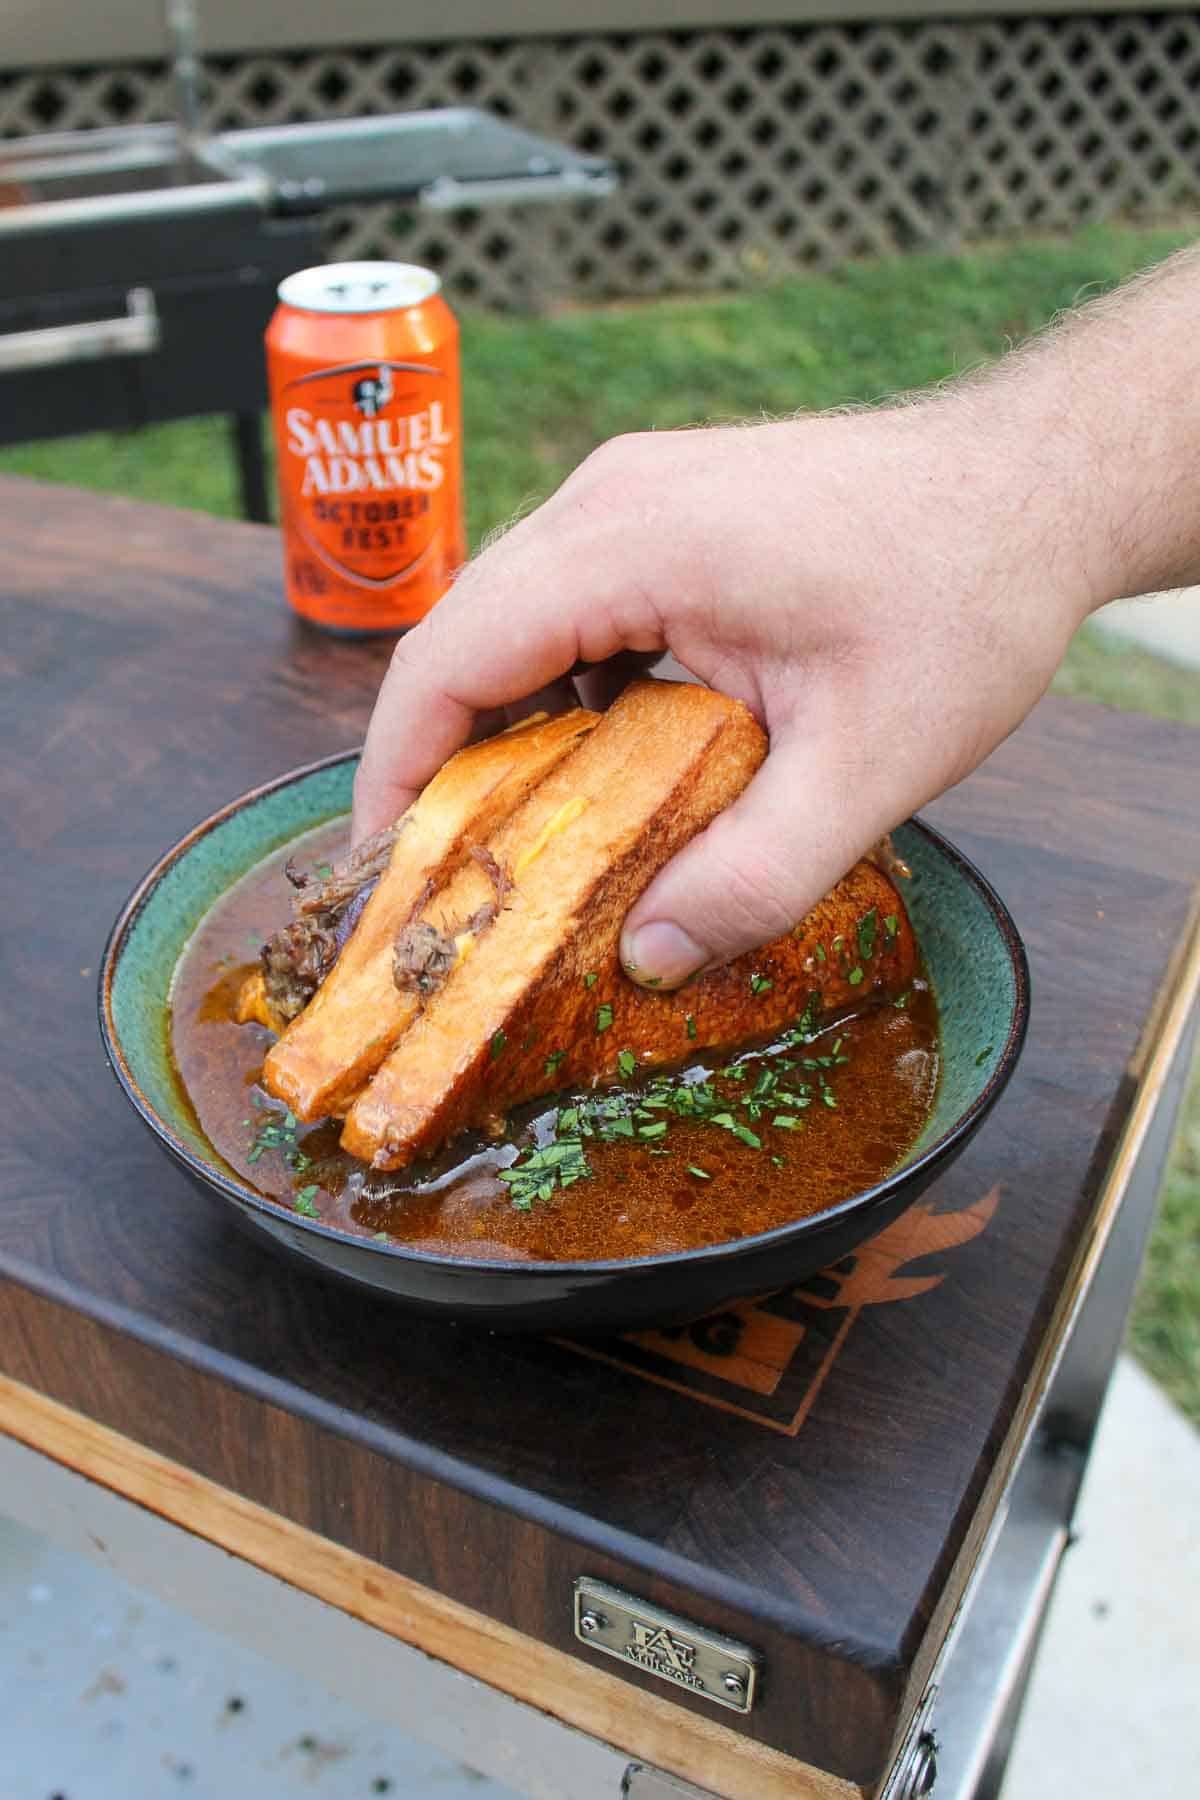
x=570 y=1032
x=537 y=999
x=330 y=1051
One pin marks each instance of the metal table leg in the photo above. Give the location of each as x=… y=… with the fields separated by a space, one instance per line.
x=246 y=435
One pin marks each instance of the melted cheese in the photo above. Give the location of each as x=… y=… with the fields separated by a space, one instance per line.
x=566 y=815
x=535 y=718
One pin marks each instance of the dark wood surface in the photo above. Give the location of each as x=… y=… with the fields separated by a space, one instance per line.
x=801 y=1474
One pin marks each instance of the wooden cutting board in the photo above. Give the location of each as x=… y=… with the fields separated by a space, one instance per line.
x=808 y=1472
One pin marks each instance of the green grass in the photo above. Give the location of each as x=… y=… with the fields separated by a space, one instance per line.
x=541 y=393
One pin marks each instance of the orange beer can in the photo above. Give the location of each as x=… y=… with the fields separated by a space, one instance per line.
x=362 y=365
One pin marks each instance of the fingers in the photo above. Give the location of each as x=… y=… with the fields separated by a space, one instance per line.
x=757 y=870
x=482 y=649
x=553 y=592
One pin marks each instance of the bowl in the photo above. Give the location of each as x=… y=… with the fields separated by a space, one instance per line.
x=973 y=956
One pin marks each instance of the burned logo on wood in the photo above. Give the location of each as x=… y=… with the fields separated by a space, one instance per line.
x=767 y=1358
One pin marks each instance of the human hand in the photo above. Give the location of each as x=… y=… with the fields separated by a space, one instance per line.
x=889 y=592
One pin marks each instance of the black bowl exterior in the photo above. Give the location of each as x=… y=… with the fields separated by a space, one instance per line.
x=579 y=1297
x=587 y=1299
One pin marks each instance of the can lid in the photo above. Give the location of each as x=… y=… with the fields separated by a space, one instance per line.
x=358 y=287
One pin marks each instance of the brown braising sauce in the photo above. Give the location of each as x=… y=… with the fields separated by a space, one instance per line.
x=721 y=1148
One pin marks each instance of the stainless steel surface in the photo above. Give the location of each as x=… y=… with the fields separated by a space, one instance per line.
x=660 y=1643
x=522 y=1746
x=74 y=180
x=135 y=333
x=645 y=1783
x=111 y=1694
x=450 y=156
x=446 y=192
x=990 y=1653
x=179 y=16
x=899 y=1776
x=922 y=1773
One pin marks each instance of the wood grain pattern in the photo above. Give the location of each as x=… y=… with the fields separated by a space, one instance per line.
x=147 y=682
x=701 y=1750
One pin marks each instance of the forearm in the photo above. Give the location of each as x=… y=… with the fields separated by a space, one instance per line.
x=1100 y=417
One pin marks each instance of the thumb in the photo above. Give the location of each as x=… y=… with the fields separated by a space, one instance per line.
x=756 y=871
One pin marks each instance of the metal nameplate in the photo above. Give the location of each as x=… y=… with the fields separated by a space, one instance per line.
x=686 y=1655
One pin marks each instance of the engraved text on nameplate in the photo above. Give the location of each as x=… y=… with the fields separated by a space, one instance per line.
x=662 y=1644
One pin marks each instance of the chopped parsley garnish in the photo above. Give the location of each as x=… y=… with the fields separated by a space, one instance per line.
x=536 y=1175
x=589 y=981
x=498 y=1043
x=747 y=1136
x=983 y=1055
x=278 y=1132
x=737 y=1130
x=759 y=984
x=819 y=953
x=323 y=871
x=761 y=1093
x=867 y=927
x=902 y=1001
x=304 y=1199
x=554 y=1060
x=891 y=928
x=806 y=1023
x=854 y=977
x=691 y=1025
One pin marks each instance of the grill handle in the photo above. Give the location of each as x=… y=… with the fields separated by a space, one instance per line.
x=447 y=192
x=136 y=333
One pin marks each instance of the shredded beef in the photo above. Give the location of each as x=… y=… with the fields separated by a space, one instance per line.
x=333 y=892
x=295 y=962
x=299 y=956
x=422 y=958
x=499 y=877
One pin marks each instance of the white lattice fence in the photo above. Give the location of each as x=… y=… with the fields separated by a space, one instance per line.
x=744 y=152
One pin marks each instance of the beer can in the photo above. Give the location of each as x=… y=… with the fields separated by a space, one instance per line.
x=362 y=365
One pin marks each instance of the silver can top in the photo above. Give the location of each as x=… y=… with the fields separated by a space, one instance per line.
x=358 y=287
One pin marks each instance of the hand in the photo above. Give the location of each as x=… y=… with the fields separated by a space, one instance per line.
x=882 y=595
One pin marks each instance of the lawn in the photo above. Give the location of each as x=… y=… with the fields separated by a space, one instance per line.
x=540 y=393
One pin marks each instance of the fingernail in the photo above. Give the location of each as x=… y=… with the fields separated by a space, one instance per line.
x=661 y=954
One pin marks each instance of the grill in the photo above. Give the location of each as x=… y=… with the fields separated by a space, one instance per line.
x=141 y=262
